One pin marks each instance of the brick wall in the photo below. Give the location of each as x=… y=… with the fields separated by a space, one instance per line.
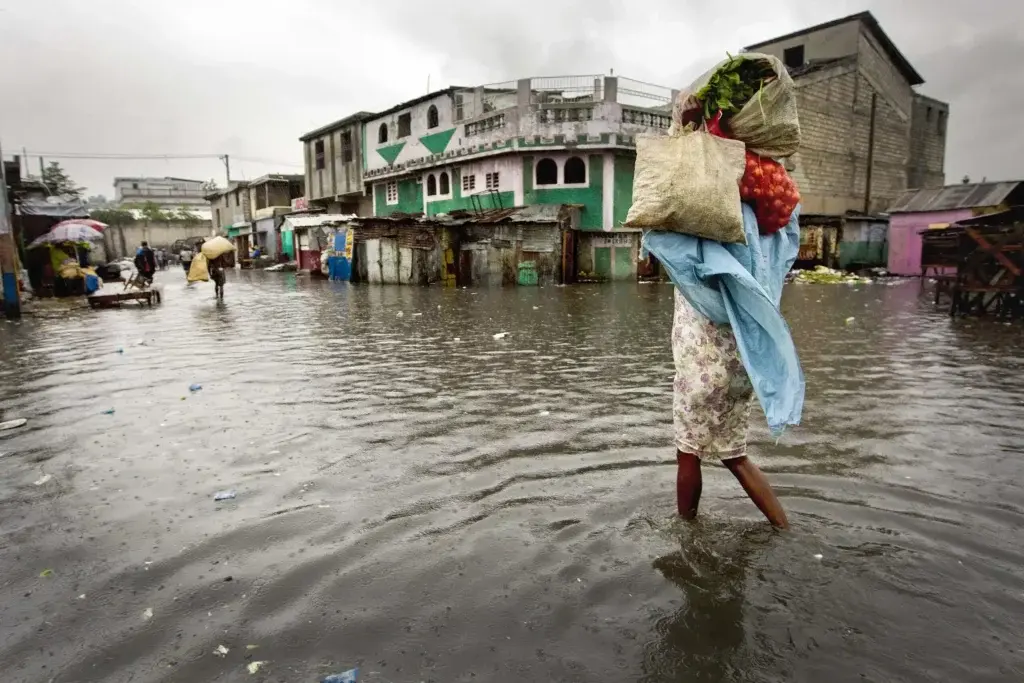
x=835 y=118
x=826 y=162
x=883 y=75
x=928 y=125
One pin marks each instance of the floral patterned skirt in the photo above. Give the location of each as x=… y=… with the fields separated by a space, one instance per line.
x=712 y=393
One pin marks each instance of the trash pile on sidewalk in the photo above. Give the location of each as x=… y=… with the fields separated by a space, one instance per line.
x=823 y=275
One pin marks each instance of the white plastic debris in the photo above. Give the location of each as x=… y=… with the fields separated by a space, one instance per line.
x=400 y=314
x=818 y=556
x=148 y=614
x=254 y=667
x=545 y=413
x=456 y=339
x=43 y=479
x=221 y=651
x=850 y=320
x=82 y=596
x=501 y=335
x=12 y=424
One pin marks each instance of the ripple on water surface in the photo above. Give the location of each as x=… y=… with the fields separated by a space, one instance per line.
x=429 y=503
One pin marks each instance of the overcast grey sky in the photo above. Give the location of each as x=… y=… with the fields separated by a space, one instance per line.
x=248 y=77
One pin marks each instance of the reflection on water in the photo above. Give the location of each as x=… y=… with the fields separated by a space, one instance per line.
x=431 y=504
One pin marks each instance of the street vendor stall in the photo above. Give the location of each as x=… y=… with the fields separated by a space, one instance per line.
x=66 y=270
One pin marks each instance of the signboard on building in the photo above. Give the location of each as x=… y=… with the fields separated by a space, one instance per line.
x=621 y=239
x=300 y=204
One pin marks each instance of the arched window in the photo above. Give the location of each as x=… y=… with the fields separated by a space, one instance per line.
x=575 y=171
x=445 y=185
x=431 y=185
x=432 y=117
x=547 y=172
x=382 y=133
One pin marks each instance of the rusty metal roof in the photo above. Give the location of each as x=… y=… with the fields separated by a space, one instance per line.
x=964 y=196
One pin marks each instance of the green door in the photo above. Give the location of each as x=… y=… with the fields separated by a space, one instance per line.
x=603 y=262
x=624 y=263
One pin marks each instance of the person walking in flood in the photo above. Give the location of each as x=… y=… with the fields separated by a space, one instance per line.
x=216 y=266
x=145 y=262
x=723 y=220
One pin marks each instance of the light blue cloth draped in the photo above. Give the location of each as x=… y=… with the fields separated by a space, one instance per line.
x=741 y=284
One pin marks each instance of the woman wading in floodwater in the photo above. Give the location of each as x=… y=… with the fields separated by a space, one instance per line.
x=729 y=339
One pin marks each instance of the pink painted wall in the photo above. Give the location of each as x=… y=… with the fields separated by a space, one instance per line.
x=905 y=238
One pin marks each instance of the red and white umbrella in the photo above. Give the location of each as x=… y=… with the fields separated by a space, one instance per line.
x=86 y=222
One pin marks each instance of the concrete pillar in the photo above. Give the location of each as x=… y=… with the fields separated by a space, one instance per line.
x=523 y=92
x=611 y=89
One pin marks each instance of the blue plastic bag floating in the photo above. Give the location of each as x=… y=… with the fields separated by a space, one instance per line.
x=345 y=677
x=195 y=387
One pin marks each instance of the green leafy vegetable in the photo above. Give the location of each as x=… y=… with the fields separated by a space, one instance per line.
x=733 y=85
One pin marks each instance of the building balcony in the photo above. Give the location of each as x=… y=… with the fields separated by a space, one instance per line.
x=600 y=111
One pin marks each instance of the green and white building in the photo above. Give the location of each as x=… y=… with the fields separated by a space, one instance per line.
x=555 y=140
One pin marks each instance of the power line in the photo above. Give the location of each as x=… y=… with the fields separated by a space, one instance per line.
x=115 y=156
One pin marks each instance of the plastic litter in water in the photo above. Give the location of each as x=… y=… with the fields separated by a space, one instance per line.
x=148 y=614
x=818 y=556
x=13 y=424
x=251 y=647
x=120 y=350
x=108 y=411
x=43 y=479
x=46 y=573
x=82 y=596
x=221 y=651
x=850 y=320
x=344 y=677
x=545 y=413
x=195 y=387
x=501 y=335
x=254 y=667
x=400 y=314
x=224 y=495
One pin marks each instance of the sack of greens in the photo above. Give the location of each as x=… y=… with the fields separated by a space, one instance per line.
x=757 y=99
x=689 y=182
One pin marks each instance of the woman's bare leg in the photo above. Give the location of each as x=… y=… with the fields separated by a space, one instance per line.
x=756 y=485
x=688 y=484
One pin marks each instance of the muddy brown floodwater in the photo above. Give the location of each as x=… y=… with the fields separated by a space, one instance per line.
x=427 y=503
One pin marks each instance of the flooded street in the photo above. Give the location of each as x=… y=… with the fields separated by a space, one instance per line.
x=427 y=503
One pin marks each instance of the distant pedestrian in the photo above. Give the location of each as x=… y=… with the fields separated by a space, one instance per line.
x=145 y=262
x=216 y=267
x=185 y=255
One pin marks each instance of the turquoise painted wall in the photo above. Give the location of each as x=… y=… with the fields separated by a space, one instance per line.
x=622 y=191
x=591 y=197
x=288 y=243
x=410 y=198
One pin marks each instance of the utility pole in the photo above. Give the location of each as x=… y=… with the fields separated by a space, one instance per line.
x=8 y=252
x=226 y=158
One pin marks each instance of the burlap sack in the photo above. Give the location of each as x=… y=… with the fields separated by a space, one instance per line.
x=689 y=183
x=768 y=124
x=198 y=271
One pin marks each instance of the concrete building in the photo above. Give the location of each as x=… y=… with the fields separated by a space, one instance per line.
x=334 y=166
x=270 y=198
x=867 y=134
x=566 y=140
x=167 y=193
x=232 y=212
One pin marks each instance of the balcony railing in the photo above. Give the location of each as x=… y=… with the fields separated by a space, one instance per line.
x=160 y=192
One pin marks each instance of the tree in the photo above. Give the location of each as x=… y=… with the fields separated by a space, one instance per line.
x=184 y=214
x=113 y=217
x=151 y=212
x=209 y=186
x=59 y=183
